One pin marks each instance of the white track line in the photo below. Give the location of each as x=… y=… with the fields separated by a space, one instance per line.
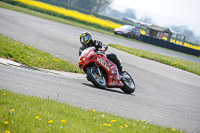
x=66 y=74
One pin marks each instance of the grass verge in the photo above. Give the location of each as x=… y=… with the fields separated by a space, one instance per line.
x=30 y=114
x=189 y=66
x=53 y=18
x=59 y=19
x=179 y=63
x=63 y=20
x=33 y=57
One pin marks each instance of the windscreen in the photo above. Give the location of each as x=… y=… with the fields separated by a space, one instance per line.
x=126 y=27
x=85 y=51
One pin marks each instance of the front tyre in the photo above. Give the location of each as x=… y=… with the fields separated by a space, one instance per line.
x=129 y=85
x=96 y=79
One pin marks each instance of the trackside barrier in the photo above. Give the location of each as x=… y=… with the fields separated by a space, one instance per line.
x=169 y=45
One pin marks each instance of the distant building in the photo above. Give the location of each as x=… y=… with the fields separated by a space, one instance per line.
x=156 y=31
x=159 y=32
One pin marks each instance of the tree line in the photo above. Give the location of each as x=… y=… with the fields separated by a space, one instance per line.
x=89 y=5
x=102 y=6
x=185 y=30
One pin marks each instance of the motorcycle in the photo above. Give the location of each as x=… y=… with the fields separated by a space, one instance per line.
x=104 y=73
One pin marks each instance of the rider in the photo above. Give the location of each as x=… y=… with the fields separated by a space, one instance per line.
x=86 y=41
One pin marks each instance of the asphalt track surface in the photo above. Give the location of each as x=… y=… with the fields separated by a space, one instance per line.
x=164 y=95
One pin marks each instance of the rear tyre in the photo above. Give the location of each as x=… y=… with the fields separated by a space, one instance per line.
x=98 y=81
x=129 y=84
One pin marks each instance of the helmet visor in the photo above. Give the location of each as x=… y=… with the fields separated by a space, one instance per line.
x=84 y=39
x=87 y=37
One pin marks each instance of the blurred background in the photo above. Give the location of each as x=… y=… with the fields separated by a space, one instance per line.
x=180 y=16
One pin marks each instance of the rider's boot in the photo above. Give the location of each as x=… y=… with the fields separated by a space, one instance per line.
x=121 y=69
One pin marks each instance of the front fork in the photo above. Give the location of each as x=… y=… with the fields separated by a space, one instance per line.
x=97 y=70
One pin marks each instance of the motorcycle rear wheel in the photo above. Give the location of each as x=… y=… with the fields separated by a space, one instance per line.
x=98 y=81
x=129 y=84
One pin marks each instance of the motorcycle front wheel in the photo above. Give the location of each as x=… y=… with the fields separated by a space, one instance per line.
x=129 y=84
x=95 y=78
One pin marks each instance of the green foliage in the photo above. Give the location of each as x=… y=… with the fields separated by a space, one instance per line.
x=85 y=4
x=58 y=15
x=175 y=62
x=30 y=114
x=188 y=66
x=53 y=18
x=33 y=57
x=64 y=3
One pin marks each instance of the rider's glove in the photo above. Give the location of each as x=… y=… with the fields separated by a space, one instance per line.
x=102 y=49
x=98 y=43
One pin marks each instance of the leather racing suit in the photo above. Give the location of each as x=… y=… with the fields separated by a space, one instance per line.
x=99 y=45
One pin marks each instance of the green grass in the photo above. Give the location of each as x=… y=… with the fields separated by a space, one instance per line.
x=189 y=66
x=54 y=18
x=53 y=13
x=33 y=57
x=59 y=19
x=66 y=21
x=179 y=63
x=30 y=114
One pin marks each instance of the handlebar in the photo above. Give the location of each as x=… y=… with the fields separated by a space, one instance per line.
x=100 y=52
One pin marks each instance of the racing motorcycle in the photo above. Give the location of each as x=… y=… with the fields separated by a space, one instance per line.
x=104 y=73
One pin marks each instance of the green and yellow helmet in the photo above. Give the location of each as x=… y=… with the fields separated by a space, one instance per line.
x=85 y=38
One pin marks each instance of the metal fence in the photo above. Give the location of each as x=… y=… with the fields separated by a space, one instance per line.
x=169 y=45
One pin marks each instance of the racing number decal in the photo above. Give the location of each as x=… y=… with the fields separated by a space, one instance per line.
x=103 y=63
